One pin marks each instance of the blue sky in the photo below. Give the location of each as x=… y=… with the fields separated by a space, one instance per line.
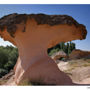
x=79 y=12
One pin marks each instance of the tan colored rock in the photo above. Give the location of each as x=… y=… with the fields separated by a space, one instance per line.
x=58 y=55
x=79 y=74
x=77 y=54
x=33 y=35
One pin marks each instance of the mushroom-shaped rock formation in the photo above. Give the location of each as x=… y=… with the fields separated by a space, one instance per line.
x=33 y=34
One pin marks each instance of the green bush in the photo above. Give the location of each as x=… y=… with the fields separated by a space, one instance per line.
x=8 y=58
x=53 y=51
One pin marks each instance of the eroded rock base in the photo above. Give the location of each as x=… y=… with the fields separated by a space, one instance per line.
x=44 y=72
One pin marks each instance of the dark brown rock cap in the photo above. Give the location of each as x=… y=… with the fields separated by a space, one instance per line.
x=11 y=21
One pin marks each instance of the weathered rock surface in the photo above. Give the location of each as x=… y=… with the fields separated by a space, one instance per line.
x=78 y=70
x=77 y=54
x=81 y=73
x=58 y=55
x=5 y=80
x=33 y=35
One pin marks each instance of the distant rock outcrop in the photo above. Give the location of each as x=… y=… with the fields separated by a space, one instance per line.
x=77 y=54
x=58 y=55
x=33 y=34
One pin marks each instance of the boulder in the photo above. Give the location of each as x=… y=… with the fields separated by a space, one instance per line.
x=58 y=55
x=33 y=34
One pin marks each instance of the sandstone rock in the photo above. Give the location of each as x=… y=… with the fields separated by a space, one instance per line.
x=58 y=55
x=81 y=73
x=33 y=34
x=7 y=76
x=77 y=54
x=5 y=80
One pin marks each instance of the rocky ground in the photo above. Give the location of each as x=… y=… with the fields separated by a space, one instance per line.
x=78 y=70
x=7 y=79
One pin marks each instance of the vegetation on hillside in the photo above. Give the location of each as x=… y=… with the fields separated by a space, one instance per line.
x=66 y=47
x=8 y=58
